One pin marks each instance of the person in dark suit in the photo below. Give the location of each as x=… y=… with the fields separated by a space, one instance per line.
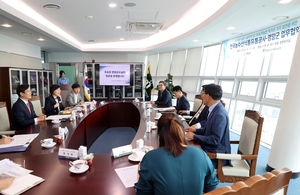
x=182 y=102
x=22 y=111
x=53 y=103
x=74 y=98
x=214 y=135
x=164 y=97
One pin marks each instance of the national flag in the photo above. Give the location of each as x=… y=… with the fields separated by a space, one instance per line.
x=86 y=86
x=149 y=85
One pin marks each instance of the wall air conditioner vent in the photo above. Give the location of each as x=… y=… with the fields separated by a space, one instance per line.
x=144 y=26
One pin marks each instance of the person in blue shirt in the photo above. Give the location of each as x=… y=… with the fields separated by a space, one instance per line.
x=62 y=80
x=175 y=168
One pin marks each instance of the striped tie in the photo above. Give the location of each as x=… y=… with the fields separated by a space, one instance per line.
x=197 y=113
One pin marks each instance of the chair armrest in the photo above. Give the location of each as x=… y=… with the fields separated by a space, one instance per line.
x=234 y=141
x=7 y=132
x=228 y=156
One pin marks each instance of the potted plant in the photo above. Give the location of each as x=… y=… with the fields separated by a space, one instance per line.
x=170 y=86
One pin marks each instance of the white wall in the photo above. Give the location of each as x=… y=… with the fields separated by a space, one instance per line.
x=15 y=53
x=98 y=57
x=15 y=46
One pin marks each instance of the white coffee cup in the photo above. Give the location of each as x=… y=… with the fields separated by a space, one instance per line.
x=78 y=164
x=149 y=106
x=158 y=115
x=47 y=141
x=138 y=154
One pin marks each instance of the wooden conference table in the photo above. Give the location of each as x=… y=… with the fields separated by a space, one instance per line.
x=101 y=178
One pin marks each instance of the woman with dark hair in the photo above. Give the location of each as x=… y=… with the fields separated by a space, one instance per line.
x=175 y=168
x=62 y=80
x=53 y=103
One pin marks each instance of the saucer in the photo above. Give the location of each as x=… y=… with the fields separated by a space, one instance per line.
x=153 y=127
x=132 y=158
x=55 y=122
x=156 y=118
x=49 y=146
x=76 y=171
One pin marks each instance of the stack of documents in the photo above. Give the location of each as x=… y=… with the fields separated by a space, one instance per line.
x=23 y=180
x=19 y=143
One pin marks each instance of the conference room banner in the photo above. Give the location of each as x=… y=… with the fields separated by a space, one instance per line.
x=278 y=38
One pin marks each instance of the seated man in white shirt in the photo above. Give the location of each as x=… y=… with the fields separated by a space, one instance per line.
x=74 y=98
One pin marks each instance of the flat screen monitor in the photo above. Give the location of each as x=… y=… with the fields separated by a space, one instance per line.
x=116 y=74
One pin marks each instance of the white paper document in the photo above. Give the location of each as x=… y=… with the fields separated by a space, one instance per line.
x=53 y=117
x=19 y=140
x=23 y=180
x=11 y=169
x=128 y=175
x=164 y=109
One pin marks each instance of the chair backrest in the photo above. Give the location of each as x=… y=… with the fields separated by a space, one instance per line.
x=271 y=183
x=5 y=123
x=67 y=87
x=64 y=94
x=197 y=102
x=36 y=102
x=251 y=133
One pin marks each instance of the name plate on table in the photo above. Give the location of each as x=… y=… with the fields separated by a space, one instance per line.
x=121 y=151
x=68 y=153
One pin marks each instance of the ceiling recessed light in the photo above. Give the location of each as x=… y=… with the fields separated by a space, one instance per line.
x=51 y=6
x=6 y=25
x=89 y=17
x=230 y=28
x=118 y=27
x=195 y=40
x=41 y=39
x=91 y=41
x=284 y=1
x=280 y=18
x=130 y=4
x=112 y=5
x=122 y=39
x=26 y=33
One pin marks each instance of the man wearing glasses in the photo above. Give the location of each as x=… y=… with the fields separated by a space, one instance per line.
x=22 y=111
x=164 y=97
x=214 y=135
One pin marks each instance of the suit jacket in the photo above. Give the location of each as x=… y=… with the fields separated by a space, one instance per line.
x=164 y=99
x=214 y=135
x=49 y=105
x=201 y=118
x=182 y=103
x=70 y=99
x=21 y=116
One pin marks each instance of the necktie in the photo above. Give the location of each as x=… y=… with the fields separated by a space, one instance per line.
x=28 y=106
x=197 y=113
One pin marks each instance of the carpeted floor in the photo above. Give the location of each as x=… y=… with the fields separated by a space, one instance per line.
x=112 y=138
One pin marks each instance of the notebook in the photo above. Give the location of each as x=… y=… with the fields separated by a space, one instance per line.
x=22 y=184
